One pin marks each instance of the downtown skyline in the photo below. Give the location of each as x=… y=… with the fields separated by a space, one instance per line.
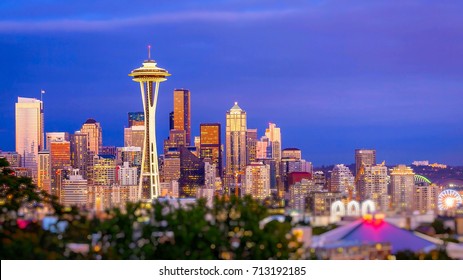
x=331 y=94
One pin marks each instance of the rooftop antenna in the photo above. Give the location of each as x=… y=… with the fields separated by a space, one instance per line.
x=149 y=52
x=41 y=94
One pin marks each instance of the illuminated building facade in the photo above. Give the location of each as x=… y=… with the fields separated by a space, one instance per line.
x=402 y=188
x=94 y=136
x=80 y=152
x=102 y=171
x=29 y=132
x=55 y=136
x=291 y=153
x=74 y=191
x=251 y=145
x=273 y=133
x=13 y=158
x=177 y=139
x=149 y=76
x=136 y=119
x=210 y=144
x=127 y=175
x=235 y=142
x=365 y=157
x=134 y=136
x=182 y=113
x=299 y=192
x=191 y=173
x=320 y=202
x=60 y=159
x=171 y=166
x=342 y=180
x=131 y=155
x=373 y=185
x=257 y=181
x=44 y=171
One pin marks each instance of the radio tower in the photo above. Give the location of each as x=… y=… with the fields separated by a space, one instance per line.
x=149 y=76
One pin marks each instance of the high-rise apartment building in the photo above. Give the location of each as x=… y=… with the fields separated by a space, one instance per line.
x=74 y=190
x=402 y=188
x=94 y=135
x=29 y=132
x=373 y=185
x=210 y=145
x=235 y=141
x=342 y=181
x=182 y=113
x=257 y=181
x=127 y=175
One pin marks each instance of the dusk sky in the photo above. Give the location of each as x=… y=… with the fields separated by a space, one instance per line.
x=334 y=75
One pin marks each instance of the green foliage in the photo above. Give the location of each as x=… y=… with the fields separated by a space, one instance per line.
x=433 y=255
x=231 y=229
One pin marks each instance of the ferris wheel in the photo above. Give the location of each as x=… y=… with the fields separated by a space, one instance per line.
x=448 y=199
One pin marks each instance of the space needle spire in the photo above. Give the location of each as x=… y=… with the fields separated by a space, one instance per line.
x=149 y=76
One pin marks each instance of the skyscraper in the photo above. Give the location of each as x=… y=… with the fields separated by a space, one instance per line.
x=60 y=159
x=136 y=119
x=182 y=112
x=134 y=136
x=79 y=152
x=95 y=135
x=273 y=133
x=210 y=144
x=402 y=188
x=365 y=157
x=191 y=173
x=149 y=76
x=44 y=171
x=55 y=136
x=235 y=142
x=29 y=132
x=251 y=145
x=176 y=139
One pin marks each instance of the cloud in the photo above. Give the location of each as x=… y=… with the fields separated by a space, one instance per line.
x=110 y=24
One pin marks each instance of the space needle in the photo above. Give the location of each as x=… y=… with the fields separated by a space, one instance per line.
x=149 y=76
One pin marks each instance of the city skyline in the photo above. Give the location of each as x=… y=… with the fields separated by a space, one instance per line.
x=393 y=89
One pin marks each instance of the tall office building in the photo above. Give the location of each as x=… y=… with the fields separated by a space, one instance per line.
x=132 y=155
x=29 y=132
x=80 y=152
x=134 y=136
x=171 y=166
x=257 y=181
x=365 y=157
x=95 y=135
x=273 y=133
x=251 y=145
x=44 y=171
x=149 y=76
x=176 y=139
x=60 y=159
x=235 y=142
x=182 y=112
x=342 y=180
x=191 y=173
x=210 y=145
x=373 y=185
x=402 y=188
x=136 y=119
x=171 y=120
x=55 y=136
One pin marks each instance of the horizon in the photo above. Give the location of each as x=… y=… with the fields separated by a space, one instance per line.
x=331 y=83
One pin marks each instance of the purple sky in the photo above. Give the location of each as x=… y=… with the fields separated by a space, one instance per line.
x=334 y=75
